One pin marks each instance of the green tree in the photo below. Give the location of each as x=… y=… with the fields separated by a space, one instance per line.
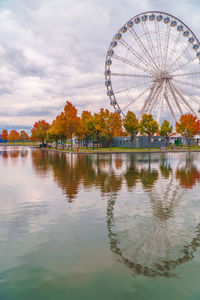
x=148 y=126
x=131 y=124
x=165 y=130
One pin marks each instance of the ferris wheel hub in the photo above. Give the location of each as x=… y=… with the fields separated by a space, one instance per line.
x=163 y=75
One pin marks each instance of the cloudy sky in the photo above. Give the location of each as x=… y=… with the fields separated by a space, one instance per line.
x=54 y=50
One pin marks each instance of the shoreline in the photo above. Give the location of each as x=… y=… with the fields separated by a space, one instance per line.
x=106 y=152
x=120 y=152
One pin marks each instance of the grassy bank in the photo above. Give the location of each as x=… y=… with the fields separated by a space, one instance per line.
x=125 y=150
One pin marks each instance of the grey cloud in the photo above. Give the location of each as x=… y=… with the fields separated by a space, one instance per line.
x=53 y=51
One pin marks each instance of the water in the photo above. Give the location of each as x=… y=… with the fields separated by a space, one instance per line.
x=124 y=226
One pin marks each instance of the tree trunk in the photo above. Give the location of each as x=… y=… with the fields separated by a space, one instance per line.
x=110 y=144
x=86 y=142
x=132 y=138
x=71 y=140
x=149 y=142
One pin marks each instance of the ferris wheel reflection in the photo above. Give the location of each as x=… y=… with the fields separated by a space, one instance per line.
x=159 y=231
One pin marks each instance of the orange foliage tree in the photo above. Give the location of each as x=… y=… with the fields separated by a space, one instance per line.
x=23 y=136
x=110 y=125
x=13 y=136
x=72 y=121
x=188 y=127
x=39 y=130
x=87 y=126
x=4 y=135
x=57 y=130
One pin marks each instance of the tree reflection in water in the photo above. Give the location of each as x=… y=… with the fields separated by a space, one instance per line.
x=152 y=227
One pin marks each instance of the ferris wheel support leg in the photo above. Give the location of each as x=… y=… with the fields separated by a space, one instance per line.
x=175 y=98
x=161 y=102
x=153 y=88
x=170 y=107
x=157 y=93
x=185 y=101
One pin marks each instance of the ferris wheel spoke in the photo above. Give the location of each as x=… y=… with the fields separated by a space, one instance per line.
x=134 y=100
x=150 y=43
x=142 y=47
x=158 y=44
x=139 y=57
x=132 y=87
x=124 y=60
x=167 y=44
x=131 y=75
x=189 y=95
x=184 y=100
x=161 y=101
x=184 y=64
x=175 y=98
x=177 y=59
x=152 y=89
x=187 y=83
x=174 y=48
x=187 y=74
x=155 y=98
x=169 y=105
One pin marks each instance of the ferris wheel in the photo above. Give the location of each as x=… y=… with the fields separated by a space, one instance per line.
x=152 y=66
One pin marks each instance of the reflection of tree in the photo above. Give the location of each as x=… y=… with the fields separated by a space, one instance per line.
x=118 y=161
x=67 y=173
x=24 y=153
x=189 y=174
x=5 y=154
x=70 y=171
x=165 y=168
x=14 y=153
x=148 y=177
x=40 y=161
x=132 y=173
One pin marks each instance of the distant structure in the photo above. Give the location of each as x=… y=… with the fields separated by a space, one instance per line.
x=152 y=66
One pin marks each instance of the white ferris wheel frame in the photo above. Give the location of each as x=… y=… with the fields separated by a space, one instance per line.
x=164 y=86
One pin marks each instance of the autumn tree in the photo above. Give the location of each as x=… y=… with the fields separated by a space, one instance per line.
x=131 y=124
x=40 y=129
x=23 y=136
x=4 y=135
x=111 y=125
x=33 y=137
x=165 y=130
x=55 y=133
x=72 y=121
x=98 y=126
x=188 y=127
x=148 y=126
x=13 y=136
x=59 y=129
x=87 y=125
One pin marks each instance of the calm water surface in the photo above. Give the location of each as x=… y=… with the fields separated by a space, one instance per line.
x=124 y=226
